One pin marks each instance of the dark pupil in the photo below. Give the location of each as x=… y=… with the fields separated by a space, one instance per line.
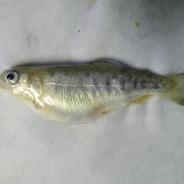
x=10 y=76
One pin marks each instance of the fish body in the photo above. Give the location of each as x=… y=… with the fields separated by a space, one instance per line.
x=77 y=93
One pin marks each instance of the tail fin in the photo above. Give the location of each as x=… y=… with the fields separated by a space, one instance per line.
x=176 y=92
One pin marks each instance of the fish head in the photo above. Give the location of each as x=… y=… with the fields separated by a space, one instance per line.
x=20 y=82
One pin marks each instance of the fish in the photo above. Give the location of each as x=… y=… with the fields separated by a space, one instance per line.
x=80 y=93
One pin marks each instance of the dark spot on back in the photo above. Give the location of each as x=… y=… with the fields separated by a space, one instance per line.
x=108 y=84
x=149 y=75
x=51 y=73
x=143 y=84
x=122 y=84
x=155 y=86
x=108 y=81
x=130 y=77
x=135 y=83
x=95 y=82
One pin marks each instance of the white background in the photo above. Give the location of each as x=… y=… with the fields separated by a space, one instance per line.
x=137 y=145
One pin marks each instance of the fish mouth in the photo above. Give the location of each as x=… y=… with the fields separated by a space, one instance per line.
x=1 y=84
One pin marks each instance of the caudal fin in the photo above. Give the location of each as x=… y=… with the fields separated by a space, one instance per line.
x=176 y=91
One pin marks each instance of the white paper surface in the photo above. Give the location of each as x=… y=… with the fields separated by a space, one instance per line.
x=138 y=145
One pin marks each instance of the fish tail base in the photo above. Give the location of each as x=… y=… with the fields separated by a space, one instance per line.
x=176 y=92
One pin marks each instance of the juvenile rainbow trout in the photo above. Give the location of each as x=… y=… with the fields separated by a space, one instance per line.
x=76 y=93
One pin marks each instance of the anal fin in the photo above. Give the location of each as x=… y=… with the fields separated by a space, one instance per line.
x=140 y=100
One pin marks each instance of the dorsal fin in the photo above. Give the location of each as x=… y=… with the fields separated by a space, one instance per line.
x=105 y=62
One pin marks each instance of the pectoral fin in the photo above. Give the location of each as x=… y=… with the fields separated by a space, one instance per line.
x=100 y=111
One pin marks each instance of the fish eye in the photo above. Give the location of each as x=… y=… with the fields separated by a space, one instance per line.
x=12 y=77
